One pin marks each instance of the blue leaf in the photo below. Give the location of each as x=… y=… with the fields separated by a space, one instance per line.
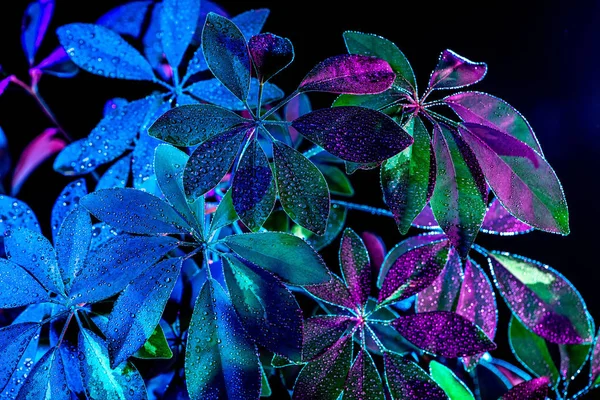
x=5 y=161
x=226 y=54
x=142 y=165
x=101 y=51
x=73 y=243
x=14 y=213
x=115 y=263
x=213 y=91
x=116 y=175
x=34 y=253
x=35 y=23
x=127 y=19
x=196 y=64
x=138 y=309
x=14 y=340
x=57 y=64
x=178 y=21
x=151 y=41
x=47 y=379
x=66 y=201
x=101 y=233
x=251 y=22
x=219 y=359
x=134 y=211
x=99 y=379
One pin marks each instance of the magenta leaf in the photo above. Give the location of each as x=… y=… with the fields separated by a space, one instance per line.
x=443 y=292
x=414 y=271
x=333 y=292
x=407 y=381
x=535 y=389
x=426 y=220
x=408 y=178
x=349 y=74
x=454 y=71
x=542 y=299
x=35 y=23
x=354 y=133
x=477 y=303
x=443 y=333
x=4 y=84
x=498 y=221
x=270 y=54
x=460 y=195
x=58 y=64
x=376 y=249
x=296 y=108
x=356 y=268
x=37 y=151
x=363 y=379
x=511 y=167
x=323 y=332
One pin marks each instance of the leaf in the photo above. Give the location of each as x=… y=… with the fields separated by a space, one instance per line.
x=510 y=166
x=454 y=72
x=35 y=23
x=368 y=44
x=101 y=51
x=460 y=195
x=117 y=175
x=66 y=202
x=35 y=153
x=115 y=263
x=572 y=359
x=213 y=91
x=270 y=54
x=333 y=292
x=498 y=221
x=57 y=64
x=253 y=189
x=178 y=22
x=46 y=380
x=454 y=387
x=193 y=124
x=408 y=178
x=285 y=255
x=226 y=54
x=363 y=379
x=134 y=211
x=335 y=224
x=407 y=381
x=477 y=303
x=138 y=309
x=225 y=214
x=535 y=389
x=99 y=380
x=251 y=22
x=542 y=299
x=211 y=161
x=156 y=347
x=4 y=84
x=14 y=340
x=219 y=359
x=337 y=181
x=127 y=19
x=484 y=109
x=325 y=379
x=442 y=294
x=294 y=109
x=302 y=189
x=354 y=133
x=15 y=213
x=142 y=164
x=426 y=220
x=380 y=102
x=443 y=333
x=595 y=361
x=414 y=271
x=350 y=74
x=323 y=332
x=266 y=308
x=356 y=267
x=35 y=254
x=20 y=287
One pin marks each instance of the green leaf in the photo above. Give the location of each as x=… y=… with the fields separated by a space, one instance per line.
x=335 y=224
x=265 y=388
x=285 y=255
x=156 y=347
x=407 y=381
x=454 y=387
x=363 y=379
x=337 y=180
x=572 y=359
x=225 y=214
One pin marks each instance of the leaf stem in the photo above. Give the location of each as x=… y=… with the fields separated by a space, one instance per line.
x=64 y=329
x=434 y=103
x=164 y=84
x=442 y=118
x=280 y=104
x=361 y=207
x=206 y=263
x=259 y=100
x=313 y=152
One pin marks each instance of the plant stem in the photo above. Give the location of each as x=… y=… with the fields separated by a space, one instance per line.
x=259 y=100
x=164 y=84
x=64 y=330
x=442 y=118
x=312 y=152
x=206 y=264
x=280 y=104
x=364 y=208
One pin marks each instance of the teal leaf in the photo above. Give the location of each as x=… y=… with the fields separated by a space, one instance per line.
x=335 y=224
x=46 y=380
x=322 y=332
x=142 y=164
x=454 y=387
x=156 y=347
x=363 y=379
x=285 y=255
x=407 y=381
x=178 y=21
x=225 y=213
x=73 y=243
x=265 y=388
x=101 y=51
x=219 y=360
x=65 y=203
x=117 y=175
x=336 y=179
x=20 y=288
x=380 y=101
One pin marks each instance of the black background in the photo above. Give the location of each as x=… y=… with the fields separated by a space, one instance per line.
x=542 y=58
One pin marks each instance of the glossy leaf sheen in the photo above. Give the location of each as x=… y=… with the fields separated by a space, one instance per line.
x=356 y=267
x=178 y=20
x=72 y=244
x=15 y=213
x=443 y=292
x=535 y=389
x=270 y=54
x=65 y=203
x=14 y=340
x=363 y=378
x=46 y=380
x=407 y=381
x=323 y=332
x=454 y=387
x=454 y=71
x=498 y=221
x=251 y=22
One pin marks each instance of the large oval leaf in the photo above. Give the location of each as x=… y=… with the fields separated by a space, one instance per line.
x=407 y=381
x=178 y=20
x=510 y=167
x=542 y=299
x=354 y=133
x=454 y=71
x=443 y=292
x=270 y=54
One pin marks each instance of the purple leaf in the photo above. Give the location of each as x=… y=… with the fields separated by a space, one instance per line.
x=477 y=303
x=356 y=269
x=442 y=293
x=521 y=179
x=454 y=71
x=485 y=109
x=426 y=220
x=35 y=23
x=270 y=54
x=443 y=333
x=323 y=332
x=414 y=271
x=542 y=299
x=498 y=221
x=349 y=74
x=363 y=379
x=58 y=64
x=376 y=249
x=333 y=292
x=460 y=195
x=535 y=389
x=354 y=133
x=37 y=151
x=4 y=84
x=296 y=108
x=407 y=381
